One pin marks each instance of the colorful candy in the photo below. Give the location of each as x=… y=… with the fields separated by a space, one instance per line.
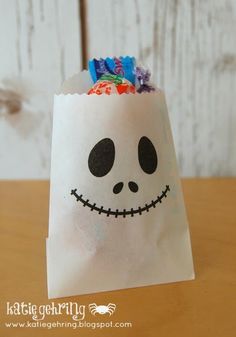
x=109 y=87
x=118 y=76
x=122 y=66
x=143 y=77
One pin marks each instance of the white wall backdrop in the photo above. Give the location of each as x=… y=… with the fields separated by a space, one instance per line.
x=189 y=46
x=40 y=47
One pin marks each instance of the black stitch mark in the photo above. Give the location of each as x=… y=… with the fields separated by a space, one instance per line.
x=73 y=191
x=85 y=202
x=146 y=207
x=92 y=208
x=164 y=193
x=123 y=213
x=132 y=212
x=116 y=215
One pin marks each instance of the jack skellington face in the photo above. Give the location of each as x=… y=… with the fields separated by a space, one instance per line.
x=100 y=162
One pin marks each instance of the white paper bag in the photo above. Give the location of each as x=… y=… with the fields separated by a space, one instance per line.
x=117 y=216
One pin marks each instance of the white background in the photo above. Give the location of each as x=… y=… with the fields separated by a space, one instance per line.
x=189 y=46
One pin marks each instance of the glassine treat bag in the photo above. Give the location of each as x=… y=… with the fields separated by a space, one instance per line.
x=117 y=216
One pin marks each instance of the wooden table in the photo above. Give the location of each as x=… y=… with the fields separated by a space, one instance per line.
x=203 y=307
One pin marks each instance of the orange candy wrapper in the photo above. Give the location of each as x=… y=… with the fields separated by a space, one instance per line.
x=109 y=87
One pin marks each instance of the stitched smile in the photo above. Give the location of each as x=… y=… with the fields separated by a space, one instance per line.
x=117 y=212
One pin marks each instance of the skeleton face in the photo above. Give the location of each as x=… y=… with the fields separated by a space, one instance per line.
x=123 y=170
x=102 y=156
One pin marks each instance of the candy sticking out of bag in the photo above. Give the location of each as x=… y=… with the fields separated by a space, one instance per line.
x=118 y=76
x=112 y=84
x=121 y=66
x=143 y=77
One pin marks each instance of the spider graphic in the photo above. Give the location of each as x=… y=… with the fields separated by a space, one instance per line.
x=102 y=309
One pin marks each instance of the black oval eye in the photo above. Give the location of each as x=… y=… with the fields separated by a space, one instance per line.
x=147 y=155
x=101 y=157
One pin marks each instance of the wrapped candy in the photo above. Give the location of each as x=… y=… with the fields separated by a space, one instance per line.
x=112 y=84
x=122 y=66
x=118 y=76
x=143 y=77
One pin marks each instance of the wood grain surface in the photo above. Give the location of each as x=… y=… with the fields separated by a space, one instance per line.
x=189 y=46
x=40 y=48
x=204 y=307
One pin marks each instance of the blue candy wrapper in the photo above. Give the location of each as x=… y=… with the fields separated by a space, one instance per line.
x=122 y=66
